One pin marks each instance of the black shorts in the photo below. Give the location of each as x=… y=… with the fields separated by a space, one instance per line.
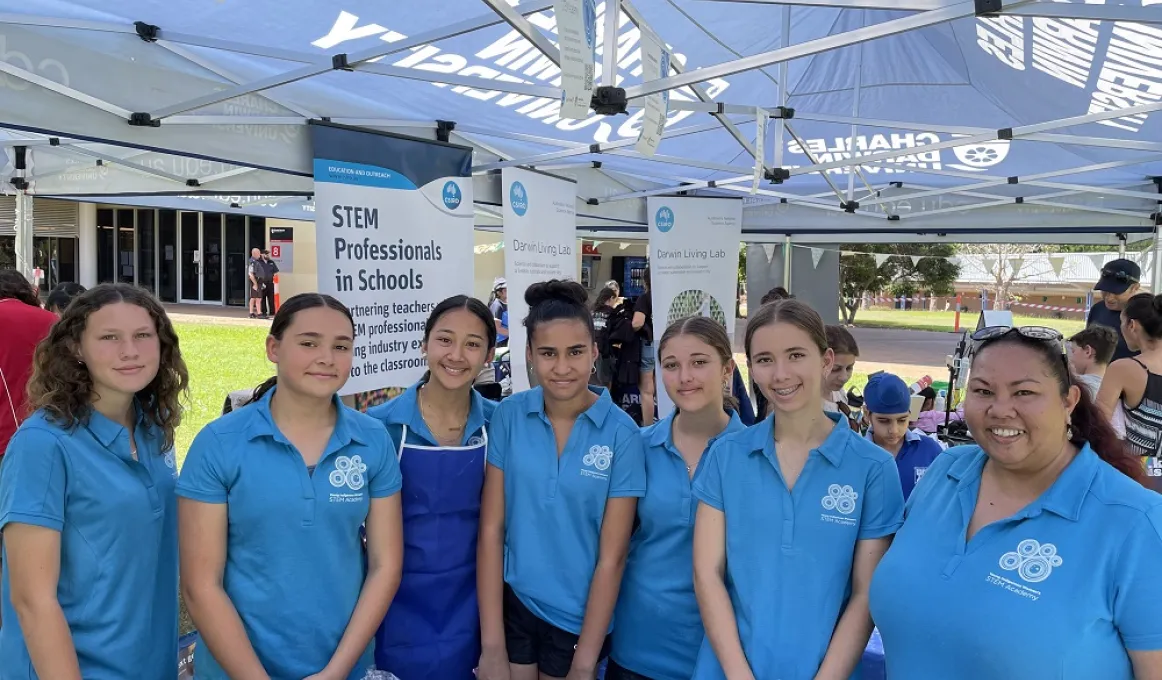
x=616 y=672
x=530 y=640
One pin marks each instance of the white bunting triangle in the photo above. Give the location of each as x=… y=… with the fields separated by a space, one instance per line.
x=916 y=259
x=881 y=259
x=769 y=249
x=1015 y=263
x=624 y=245
x=1057 y=262
x=955 y=259
x=1098 y=260
x=816 y=255
x=597 y=243
x=989 y=263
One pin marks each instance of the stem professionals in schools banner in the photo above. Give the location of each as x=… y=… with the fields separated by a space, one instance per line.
x=540 y=243
x=693 y=264
x=393 y=221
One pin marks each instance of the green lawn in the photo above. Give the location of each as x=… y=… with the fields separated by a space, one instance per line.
x=220 y=359
x=943 y=321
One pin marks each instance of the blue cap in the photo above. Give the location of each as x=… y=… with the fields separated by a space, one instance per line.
x=887 y=394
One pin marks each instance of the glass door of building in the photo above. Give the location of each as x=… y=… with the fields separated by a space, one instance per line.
x=200 y=257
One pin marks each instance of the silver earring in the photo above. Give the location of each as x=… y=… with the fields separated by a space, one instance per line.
x=593 y=371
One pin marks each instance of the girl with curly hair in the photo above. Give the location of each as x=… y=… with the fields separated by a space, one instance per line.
x=87 y=504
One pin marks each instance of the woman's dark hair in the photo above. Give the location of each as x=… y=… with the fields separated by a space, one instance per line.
x=710 y=332
x=60 y=296
x=286 y=314
x=1088 y=422
x=798 y=314
x=62 y=385
x=14 y=286
x=646 y=279
x=841 y=341
x=1146 y=309
x=775 y=294
x=555 y=300
x=606 y=296
x=476 y=307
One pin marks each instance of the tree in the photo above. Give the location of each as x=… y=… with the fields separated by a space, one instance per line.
x=1005 y=266
x=860 y=274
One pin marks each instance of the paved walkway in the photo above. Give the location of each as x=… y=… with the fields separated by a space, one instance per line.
x=215 y=314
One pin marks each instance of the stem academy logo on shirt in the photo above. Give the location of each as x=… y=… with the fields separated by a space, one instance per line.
x=348 y=473
x=1033 y=561
x=841 y=499
x=596 y=462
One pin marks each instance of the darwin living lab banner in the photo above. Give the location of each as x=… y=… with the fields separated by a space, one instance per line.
x=540 y=237
x=693 y=265
x=393 y=222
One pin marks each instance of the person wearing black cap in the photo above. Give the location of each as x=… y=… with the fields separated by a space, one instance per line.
x=1118 y=283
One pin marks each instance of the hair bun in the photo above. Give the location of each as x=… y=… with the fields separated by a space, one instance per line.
x=556 y=289
x=1157 y=300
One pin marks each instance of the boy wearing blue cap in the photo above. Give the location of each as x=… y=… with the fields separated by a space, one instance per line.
x=888 y=403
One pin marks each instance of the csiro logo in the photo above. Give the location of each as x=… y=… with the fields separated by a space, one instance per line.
x=518 y=199
x=452 y=195
x=590 y=14
x=664 y=219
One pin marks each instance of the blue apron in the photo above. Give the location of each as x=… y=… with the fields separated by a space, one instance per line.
x=432 y=630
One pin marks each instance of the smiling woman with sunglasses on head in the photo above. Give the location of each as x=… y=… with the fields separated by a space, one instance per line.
x=273 y=495
x=1032 y=554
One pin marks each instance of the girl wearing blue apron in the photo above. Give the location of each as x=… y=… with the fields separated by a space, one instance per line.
x=565 y=470
x=87 y=503
x=658 y=629
x=274 y=496
x=432 y=631
x=794 y=515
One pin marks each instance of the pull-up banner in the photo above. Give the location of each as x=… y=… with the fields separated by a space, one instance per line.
x=540 y=243
x=693 y=266
x=393 y=223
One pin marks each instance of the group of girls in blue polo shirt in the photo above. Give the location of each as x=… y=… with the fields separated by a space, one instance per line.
x=444 y=537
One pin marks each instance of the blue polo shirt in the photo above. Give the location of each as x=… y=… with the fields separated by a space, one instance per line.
x=117 y=518
x=1059 y=590
x=554 y=505
x=404 y=410
x=294 y=556
x=914 y=458
x=659 y=628
x=789 y=594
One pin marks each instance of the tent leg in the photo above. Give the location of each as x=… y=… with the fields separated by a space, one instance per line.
x=1121 y=245
x=781 y=125
x=24 y=250
x=787 y=263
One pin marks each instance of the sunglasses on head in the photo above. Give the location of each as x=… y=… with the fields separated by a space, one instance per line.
x=1118 y=275
x=1049 y=336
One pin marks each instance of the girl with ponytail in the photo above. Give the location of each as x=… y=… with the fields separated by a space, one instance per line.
x=272 y=498
x=565 y=470
x=1047 y=509
x=658 y=626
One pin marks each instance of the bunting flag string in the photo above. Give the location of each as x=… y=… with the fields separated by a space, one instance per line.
x=816 y=255
x=769 y=249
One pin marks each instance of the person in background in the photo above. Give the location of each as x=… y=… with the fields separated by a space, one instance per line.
x=566 y=468
x=60 y=296
x=887 y=402
x=254 y=278
x=843 y=344
x=25 y=325
x=274 y=570
x=775 y=294
x=932 y=418
x=1034 y=553
x=1118 y=283
x=603 y=308
x=1090 y=352
x=498 y=305
x=1136 y=383
x=269 y=269
x=781 y=577
x=658 y=629
x=87 y=504
x=643 y=323
x=432 y=631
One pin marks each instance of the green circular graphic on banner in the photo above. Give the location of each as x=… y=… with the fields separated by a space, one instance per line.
x=695 y=302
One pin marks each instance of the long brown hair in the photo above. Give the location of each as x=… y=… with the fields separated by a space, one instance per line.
x=62 y=386
x=710 y=332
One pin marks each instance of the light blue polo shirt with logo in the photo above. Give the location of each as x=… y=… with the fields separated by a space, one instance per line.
x=659 y=628
x=554 y=505
x=789 y=553
x=294 y=555
x=117 y=519
x=1059 y=590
